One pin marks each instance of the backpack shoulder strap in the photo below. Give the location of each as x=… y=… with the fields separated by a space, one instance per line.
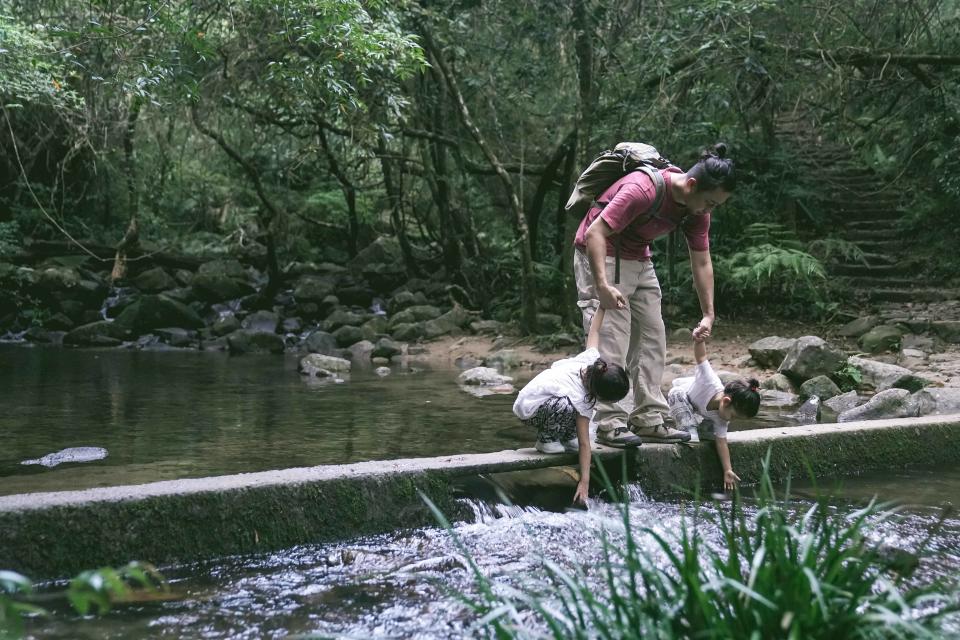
x=659 y=186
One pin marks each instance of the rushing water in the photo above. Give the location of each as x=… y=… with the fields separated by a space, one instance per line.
x=395 y=586
x=163 y=415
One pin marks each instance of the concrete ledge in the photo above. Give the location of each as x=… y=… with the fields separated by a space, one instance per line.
x=47 y=535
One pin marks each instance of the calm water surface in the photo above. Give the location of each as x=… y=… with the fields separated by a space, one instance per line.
x=164 y=415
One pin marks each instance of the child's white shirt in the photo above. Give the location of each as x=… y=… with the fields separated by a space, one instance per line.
x=701 y=389
x=561 y=379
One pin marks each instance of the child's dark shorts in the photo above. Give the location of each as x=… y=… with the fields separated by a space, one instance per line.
x=555 y=420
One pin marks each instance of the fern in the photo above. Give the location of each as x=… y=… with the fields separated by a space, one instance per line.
x=829 y=249
x=770 y=270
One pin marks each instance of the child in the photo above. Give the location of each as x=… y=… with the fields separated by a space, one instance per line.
x=702 y=401
x=558 y=402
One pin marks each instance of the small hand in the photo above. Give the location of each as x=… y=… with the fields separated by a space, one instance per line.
x=702 y=331
x=611 y=298
x=730 y=480
x=580 y=497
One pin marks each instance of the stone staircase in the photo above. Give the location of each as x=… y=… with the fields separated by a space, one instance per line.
x=865 y=209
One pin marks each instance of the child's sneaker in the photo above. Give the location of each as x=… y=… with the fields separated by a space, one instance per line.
x=660 y=433
x=550 y=447
x=572 y=445
x=619 y=437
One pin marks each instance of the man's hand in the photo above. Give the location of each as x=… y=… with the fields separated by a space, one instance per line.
x=580 y=497
x=702 y=330
x=730 y=480
x=611 y=298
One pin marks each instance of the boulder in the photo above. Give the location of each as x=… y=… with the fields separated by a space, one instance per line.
x=376 y=325
x=58 y=279
x=947 y=330
x=418 y=313
x=882 y=338
x=549 y=323
x=226 y=267
x=386 y=348
x=858 y=327
x=225 y=323
x=808 y=412
x=405 y=299
x=247 y=341
x=769 y=352
x=151 y=312
x=778 y=382
x=384 y=276
x=820 y=386
x=407 y=332
x=154 y=281
x=361 y=352
x=450 y=322
x=342 y=318
x=892 y=403
x=212 y=287
x=483 y=376
x=177 y=337
x=726 y=377
x=261 y=321
x=59 y=322
x=348 y=335
x=843 y=402
x=313 y=288
x=810 y=357
x=292 y=325
x=383 y=372
x=102 y=333
x=309 y=364
x=938 y=400
x=491 y=327
x=778 y=399
x=504 y=359
x=880 y=376
x=384 y=250
x=321 y=342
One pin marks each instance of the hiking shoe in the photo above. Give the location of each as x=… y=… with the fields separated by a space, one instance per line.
x=549 y=447
x=572 y=445
x=619 y=437
x=661 y=434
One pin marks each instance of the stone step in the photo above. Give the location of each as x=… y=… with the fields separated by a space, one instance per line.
x=867 y=270
x=909 y=295
x=880 y=223
x=855 y=235
x=893 y=247
x=864 y=207
x=880 y=258
x=882 y=282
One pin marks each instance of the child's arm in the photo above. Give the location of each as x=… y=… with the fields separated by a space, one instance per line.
x=730 y=479
x=583 y=440
x=593 y=335
x=699 y=350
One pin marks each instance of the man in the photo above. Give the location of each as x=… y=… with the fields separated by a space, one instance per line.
x=633 y=333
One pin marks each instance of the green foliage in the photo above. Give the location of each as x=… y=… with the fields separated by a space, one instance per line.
x=767 y=270
x=784 y=572
x=848 y=377
x=9 y=238
x=32 y=71
x=99 y=589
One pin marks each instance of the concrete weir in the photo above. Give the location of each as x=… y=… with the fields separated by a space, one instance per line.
x=57 y=534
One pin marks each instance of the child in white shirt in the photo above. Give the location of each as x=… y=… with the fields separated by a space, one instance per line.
x=559 y=402
x=703 y=405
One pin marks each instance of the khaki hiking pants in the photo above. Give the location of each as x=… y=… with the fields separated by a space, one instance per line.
x=634 y=338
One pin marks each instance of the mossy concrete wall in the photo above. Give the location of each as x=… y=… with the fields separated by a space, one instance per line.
x=47 y=535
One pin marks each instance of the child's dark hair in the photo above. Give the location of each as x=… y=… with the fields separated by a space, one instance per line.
x=744 y=396
x=714 y=170
x=606 y=382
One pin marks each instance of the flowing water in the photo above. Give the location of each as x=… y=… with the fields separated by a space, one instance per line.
x=397 y=585
x=164 y=415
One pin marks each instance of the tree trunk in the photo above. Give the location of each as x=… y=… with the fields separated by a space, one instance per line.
x=267 y=214
x=131 y=238
x=547 y=181
x=528 y=297
x=394 y=199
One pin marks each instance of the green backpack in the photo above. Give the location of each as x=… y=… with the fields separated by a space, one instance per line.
x=607 y=168
x=610 y=166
